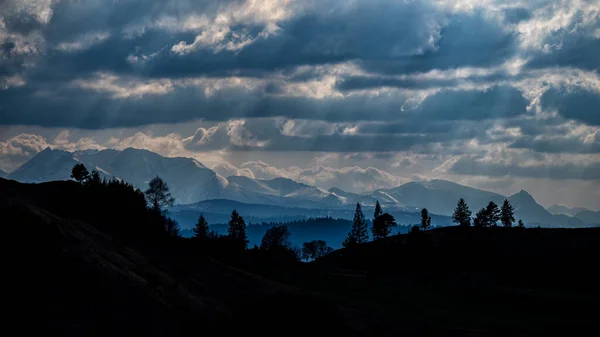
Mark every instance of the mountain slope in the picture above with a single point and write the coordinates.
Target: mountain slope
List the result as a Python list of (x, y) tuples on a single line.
[(87, 282), (188, 179), (527, 209), (438, 196), (589, 217), (564, 210), (47, 165), (3, 174), (287, 192)]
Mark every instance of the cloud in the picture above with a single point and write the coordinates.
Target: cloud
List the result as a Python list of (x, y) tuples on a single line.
[(227, 170), (351, 179), (17, 150), (468, 165), (575, 103)]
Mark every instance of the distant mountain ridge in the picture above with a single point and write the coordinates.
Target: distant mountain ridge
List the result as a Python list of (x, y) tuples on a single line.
[(589, 217), (565, 210), (193, 182), (190, 181), (3, 174)]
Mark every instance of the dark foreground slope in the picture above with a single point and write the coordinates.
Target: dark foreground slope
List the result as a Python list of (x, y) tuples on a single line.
[(76, 270)]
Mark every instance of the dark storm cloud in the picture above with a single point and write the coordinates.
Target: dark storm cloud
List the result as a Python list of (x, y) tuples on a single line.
[(557, 145), (468, 40), (495, 102), (366, 31), (75, 107), (469, 166), (575, 103), (576, 45), (577, 52)]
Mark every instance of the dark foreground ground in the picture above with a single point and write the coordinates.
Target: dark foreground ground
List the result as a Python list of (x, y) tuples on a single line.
[(68, 274)]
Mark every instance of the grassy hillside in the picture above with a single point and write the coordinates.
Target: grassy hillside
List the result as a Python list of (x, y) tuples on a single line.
[(77, 270)]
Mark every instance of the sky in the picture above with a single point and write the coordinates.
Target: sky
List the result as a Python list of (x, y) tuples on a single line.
[(362, 94)]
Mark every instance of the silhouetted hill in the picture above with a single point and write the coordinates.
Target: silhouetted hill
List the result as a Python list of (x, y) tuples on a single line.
[(589, 217), (532, 213), (564, 210), (87, 278), (75, 270)]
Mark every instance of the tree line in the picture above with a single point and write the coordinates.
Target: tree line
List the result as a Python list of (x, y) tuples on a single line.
[(384, 222), (158, 198)]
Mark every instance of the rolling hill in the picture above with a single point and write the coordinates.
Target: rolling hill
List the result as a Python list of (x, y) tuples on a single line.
[(88, 278)]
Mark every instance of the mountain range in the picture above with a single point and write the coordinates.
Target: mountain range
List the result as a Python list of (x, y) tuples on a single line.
[(562, 209), (192, 182)]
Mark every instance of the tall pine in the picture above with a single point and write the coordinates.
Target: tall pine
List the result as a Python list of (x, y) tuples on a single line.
[(507, 216), (378, 211), (480, 218), (359, 233), (462, 214), (425, 219), (201, 230), (492, 214), (237, 228)]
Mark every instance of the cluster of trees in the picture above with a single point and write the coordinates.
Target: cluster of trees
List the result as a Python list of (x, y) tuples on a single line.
[(383, 223), (487, 216), (276, 239), (81, 174)]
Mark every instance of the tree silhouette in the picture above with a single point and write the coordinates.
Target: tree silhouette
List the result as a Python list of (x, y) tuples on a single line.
[(521, 224), (237, 228), (315, 249), (480, 218), (172, 227), (158, 195), (94, 179), (425, 219), (462, 214), (378, 211), (382, 226), (507, 216), (359, 233), (276, 238), (80, 173), (201, 230), (492, 213)]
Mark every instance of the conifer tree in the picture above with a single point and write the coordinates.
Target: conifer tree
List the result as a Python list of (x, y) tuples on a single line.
[(359, 233), (378, 210), (425, 219), (237, 228), (480, 218), (507, 216), (462, 214), (492, 213), (201, 230)]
